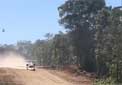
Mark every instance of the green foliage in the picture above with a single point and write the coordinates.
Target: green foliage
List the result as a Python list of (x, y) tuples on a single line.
[(103, 44), (78, 17), (24, 48), (75, 13), (54, 51), (107, 81), (109, 43)]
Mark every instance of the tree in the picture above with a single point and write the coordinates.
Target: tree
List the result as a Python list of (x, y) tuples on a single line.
[(78, 17), (49, 36), (108, 43), (62, 49), (116, 32), (42, 50), (25, 49), (103, 40)]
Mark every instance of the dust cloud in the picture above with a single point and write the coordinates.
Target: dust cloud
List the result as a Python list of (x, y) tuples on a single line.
[(12, 60)]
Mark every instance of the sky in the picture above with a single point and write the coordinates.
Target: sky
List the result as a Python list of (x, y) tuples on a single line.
[(31, 19)]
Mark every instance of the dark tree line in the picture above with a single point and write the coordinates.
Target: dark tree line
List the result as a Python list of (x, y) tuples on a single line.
[(55, 51), (78, 16), (96, 35)]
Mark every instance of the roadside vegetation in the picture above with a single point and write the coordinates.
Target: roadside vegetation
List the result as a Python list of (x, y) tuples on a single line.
[(92, 41)]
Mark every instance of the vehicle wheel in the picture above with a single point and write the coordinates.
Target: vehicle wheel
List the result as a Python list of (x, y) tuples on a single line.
[(34, 69), (26, 68)]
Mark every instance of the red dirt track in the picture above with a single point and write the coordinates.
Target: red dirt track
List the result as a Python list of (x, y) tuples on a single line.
[(39, 77)]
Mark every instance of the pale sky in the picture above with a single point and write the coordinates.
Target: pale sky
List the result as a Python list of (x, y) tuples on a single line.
[(31, 19)]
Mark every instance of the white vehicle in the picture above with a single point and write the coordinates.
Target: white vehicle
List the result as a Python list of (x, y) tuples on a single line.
[(30, 66)]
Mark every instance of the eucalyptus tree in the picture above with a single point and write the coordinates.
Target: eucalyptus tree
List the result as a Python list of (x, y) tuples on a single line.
[(77, 16)]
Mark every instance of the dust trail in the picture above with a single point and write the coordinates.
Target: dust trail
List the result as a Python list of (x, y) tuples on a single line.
[(12, 60)]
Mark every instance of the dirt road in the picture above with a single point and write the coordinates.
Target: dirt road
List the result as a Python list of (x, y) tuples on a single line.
[(24, 77)]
